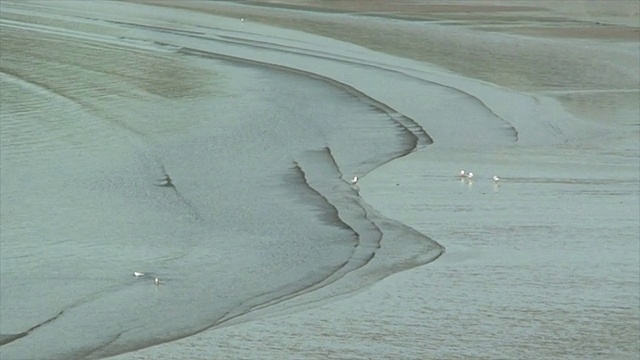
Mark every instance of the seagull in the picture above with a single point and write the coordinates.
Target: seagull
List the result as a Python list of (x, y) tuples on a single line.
[(462, 174), (496, 178), (354, 180), (156, 281), (138, 274), (470, 176), (167, 182)]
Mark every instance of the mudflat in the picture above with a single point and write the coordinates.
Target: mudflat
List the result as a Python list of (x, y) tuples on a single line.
[(261, 113)]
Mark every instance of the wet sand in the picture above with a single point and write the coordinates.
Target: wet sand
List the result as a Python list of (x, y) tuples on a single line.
[(480, 39), (542, 265)]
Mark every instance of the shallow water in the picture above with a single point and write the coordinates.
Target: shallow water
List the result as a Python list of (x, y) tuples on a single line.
[(260, 135)]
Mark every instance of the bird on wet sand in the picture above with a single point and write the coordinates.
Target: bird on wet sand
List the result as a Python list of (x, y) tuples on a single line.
[(465, 175), (166, 181)]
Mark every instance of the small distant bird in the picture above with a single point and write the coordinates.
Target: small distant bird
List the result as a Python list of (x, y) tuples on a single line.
[(470, 176), (167, 182), (138, 274), (242, 19), (496, 178), (462, 174), (156, 281), (354, 180)]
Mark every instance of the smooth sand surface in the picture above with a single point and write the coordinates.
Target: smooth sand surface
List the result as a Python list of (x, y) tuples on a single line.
[(543, 264)]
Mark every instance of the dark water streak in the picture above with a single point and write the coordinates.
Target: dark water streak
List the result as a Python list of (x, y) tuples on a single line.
[(7, 338)]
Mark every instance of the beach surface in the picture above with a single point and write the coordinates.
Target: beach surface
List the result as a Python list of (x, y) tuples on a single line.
[(212, 145)]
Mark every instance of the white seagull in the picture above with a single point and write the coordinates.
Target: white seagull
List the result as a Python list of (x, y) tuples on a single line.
[(470, 176), (496, 178), (138, 274), (354, 180), (462, 174), (156, 281)]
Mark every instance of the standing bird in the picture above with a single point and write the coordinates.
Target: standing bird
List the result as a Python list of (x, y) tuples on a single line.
[(496, 178), (166, 182), (470, 176), (156, 281), (462, 174), (354, 180)]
